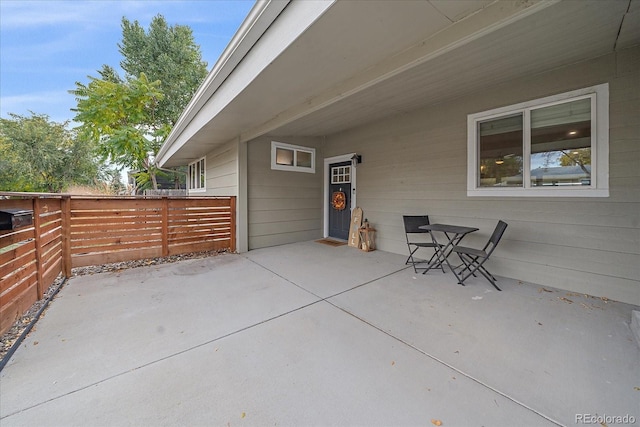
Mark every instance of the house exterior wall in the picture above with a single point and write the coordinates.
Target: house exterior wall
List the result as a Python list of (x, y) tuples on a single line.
[(283, 206), (221, 171), (416, 163)]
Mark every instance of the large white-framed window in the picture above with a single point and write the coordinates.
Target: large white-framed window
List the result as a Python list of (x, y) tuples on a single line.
[(556, 146), (197, 176), (287, 157)]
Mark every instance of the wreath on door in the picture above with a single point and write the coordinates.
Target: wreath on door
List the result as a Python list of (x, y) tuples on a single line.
[(339, 200)]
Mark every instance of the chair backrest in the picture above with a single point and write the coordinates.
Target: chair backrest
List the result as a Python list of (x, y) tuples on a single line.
[(412, 222), (496, 236)]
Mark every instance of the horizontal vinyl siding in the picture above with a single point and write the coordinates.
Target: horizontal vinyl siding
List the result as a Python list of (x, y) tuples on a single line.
[(415, 163), (284, 207), (221, 174)]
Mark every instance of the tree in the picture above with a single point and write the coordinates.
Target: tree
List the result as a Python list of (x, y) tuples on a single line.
[(118, 117), (131, 117), (579, 157), (164, 53), (37, 154)]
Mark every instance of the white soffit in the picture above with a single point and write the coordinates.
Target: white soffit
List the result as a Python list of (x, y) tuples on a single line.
[(310, 47), (353, 63)]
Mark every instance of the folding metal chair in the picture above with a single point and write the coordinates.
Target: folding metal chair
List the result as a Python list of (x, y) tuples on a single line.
[(417, 238), (473, 259)]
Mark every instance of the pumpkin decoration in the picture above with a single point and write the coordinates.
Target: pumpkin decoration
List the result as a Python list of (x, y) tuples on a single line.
[(338, 200)]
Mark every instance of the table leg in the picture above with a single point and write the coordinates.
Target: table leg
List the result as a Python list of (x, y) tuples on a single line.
[(436, 260)]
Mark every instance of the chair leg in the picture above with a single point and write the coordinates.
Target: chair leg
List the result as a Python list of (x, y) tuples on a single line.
[(431, 264), (468, 262), (411, 260), (474, 266), (440, 263)]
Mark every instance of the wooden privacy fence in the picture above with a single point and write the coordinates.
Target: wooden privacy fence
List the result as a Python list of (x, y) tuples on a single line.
[(75, 231)]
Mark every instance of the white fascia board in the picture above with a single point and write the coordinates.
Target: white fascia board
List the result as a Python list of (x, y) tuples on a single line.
[(266, 32)]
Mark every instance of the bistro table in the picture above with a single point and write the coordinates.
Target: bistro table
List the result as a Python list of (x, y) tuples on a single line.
[(453, 233)]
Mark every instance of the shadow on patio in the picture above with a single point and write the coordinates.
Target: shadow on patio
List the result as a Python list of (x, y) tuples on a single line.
[(308, 334)]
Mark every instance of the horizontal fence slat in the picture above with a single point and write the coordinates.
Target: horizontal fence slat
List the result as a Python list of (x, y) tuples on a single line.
[(209, 215), (116, 240), (11, 310), (16, 237), (52, 255), (15, 264), (17, 276), (197, 203), (204, 238), (199, 210), (17, 286), (49, 206), (90, 233), (119, 214), (100, 204), (51, 272), (17, 252), (111, 257), (51, 236), (50, 244), (51, 225), (113, 222), (198, 247), (192, 226), (119, 247), (23, 204), (181, 231)]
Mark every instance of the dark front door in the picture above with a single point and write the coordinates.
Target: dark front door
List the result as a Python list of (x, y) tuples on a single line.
[(340, 175)]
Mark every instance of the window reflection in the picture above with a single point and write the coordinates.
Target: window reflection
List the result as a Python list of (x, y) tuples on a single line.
[(284, 157), (303, 159), (501, 152), (561, 144)]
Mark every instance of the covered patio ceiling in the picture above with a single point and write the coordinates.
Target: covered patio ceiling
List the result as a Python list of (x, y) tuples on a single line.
[(358, 62)]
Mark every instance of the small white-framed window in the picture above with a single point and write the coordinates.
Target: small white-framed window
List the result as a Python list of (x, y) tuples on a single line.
[(556, 146), (197, 175), (341, 174), (287, 157)]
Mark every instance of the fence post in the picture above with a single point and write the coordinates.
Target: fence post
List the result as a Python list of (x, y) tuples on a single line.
[(66, 235), (38, 241), (232, 224), (165, 226)]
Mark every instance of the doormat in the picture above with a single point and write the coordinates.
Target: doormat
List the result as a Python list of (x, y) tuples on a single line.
[(331, 242)]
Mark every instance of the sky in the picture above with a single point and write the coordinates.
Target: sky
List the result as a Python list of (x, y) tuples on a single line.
[(46, 46)]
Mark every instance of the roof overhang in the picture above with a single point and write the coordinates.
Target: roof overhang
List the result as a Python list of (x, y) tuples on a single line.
[(317, 68)]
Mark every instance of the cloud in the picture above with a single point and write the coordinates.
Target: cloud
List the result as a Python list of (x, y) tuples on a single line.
[(29, 14), (25, 14), (59, 101), (46, 46)]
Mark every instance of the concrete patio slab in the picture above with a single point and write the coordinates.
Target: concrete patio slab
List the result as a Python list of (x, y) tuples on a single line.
[(325, 270), (317, 366), (308, 334), (106, 324), (559, 353)]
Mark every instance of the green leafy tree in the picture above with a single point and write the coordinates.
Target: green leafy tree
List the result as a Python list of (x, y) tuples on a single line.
[(37, 154), (118, 117), (168, 54), (130, 117), (579, 157)]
